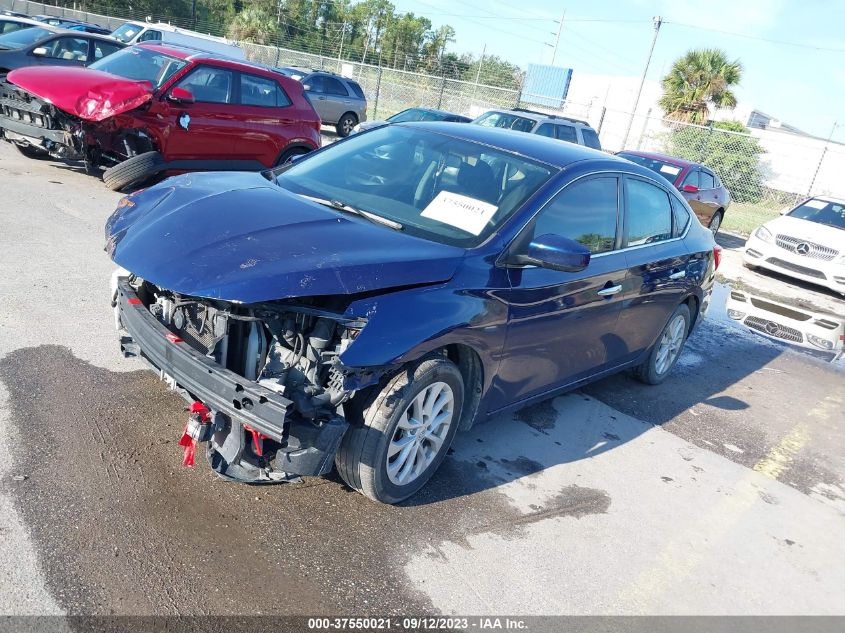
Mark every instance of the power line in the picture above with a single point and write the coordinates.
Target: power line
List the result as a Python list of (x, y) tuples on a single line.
[(760, 39)]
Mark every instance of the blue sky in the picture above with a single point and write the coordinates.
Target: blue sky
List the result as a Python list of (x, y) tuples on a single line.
[(801, 85)]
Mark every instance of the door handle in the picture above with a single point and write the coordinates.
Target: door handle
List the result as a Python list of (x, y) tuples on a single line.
[(678, 275), (609, 292)]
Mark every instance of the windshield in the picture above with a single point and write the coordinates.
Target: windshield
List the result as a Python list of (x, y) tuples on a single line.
[(141, 64), (667, 170), (437, 187), (126, 32), (821, 212), (415, 114), (505, 120), (23, 37)]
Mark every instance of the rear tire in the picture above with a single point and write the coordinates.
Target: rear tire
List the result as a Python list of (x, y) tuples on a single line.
[(33, 152), (288, 154), (133, 171), (399, 414), (345, 125), (667, 349), (716, 222)]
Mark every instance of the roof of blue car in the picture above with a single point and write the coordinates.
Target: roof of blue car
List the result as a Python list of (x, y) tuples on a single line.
[(541, 148)]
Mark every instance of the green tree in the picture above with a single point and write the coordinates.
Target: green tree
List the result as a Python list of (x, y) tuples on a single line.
[(729, 150), (253, 25), (696, 81), (494, 71)]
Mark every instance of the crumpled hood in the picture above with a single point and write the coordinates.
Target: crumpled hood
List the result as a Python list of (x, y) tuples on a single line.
[(88, 94), (238, 237), (806, 230)]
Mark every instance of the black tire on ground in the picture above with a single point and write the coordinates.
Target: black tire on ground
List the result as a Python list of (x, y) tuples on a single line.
[(132, 171), (31, 151), (345, 125), (648, 372), (716, 222), (362, 458), (290, 153)]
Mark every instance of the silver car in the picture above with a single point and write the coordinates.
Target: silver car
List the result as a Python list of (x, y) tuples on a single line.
[(338, 100)]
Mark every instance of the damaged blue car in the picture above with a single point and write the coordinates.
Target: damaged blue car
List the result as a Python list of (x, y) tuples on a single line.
[(359, 306)]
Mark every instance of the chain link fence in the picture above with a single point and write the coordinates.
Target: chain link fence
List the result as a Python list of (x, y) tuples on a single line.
[(764, 170)]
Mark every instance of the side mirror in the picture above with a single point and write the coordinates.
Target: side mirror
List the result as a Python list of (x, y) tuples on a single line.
[(555, 253), (180, 95), (690, 189), (40, 51), (306, 87)]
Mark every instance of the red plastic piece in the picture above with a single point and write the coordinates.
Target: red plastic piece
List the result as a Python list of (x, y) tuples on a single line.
[(133, 301), (189, 444), (257, 440), (170, 336)]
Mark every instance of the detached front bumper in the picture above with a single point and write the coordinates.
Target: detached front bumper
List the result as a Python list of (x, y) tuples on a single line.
[(829, 274), (308, 447)]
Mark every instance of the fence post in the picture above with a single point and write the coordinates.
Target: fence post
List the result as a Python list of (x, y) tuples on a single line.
[(278, 55), (442, 88), (816, 173), (601, 119), (378, 91), (642, 132), (706, 143)]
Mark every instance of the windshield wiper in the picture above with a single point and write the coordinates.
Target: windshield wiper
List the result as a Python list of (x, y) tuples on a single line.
[(341, 206)]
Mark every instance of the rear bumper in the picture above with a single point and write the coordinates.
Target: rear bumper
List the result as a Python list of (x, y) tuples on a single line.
[(309, 447)]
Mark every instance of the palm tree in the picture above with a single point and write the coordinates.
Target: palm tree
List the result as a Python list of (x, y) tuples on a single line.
[(697, 80), (253, 25)]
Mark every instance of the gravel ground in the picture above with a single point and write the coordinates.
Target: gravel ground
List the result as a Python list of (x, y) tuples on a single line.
[(720, 491)]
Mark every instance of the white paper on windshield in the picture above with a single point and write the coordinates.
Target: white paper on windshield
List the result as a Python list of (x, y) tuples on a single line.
[(668, 169), (815, 204), (463, 212)]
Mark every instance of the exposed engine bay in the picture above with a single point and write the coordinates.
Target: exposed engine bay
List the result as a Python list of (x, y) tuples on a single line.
[(290, 349)]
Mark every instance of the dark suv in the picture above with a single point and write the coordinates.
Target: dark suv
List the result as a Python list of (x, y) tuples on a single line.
[(338, 100), (155, 108)]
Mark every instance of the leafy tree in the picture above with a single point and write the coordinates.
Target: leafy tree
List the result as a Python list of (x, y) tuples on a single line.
[(696, 81), (728, 149), (495, 71), (253, 25)]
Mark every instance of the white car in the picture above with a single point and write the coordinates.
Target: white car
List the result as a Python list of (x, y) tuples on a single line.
[(806, 243)]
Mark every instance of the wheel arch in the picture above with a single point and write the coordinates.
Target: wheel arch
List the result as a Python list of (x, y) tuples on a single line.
[(469, 364), (694, 304)]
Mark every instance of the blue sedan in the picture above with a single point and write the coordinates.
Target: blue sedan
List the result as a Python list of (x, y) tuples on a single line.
[(361, 305)]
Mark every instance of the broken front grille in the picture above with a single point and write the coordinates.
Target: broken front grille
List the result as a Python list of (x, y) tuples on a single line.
[(25, 112), (774, 329), (803, 247)]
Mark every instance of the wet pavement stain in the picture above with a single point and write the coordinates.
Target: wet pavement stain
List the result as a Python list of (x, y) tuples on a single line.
[(121, 527), (540, 417)]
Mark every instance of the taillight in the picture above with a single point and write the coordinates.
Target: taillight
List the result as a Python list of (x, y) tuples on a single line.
[(717, 256)]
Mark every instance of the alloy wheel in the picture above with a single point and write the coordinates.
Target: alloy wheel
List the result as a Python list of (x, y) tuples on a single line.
[(420, 433), (670, 344)]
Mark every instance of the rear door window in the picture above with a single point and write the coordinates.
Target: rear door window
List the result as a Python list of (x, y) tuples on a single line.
[(101, 49), (707, 181), (586, 211), (680, 219), (262, 91), (332, 86), (649, 213), (150, 36), (546, 129), (567, 133)]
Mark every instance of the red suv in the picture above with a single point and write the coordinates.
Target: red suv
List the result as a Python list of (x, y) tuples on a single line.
[(154, 108), (699, 185)]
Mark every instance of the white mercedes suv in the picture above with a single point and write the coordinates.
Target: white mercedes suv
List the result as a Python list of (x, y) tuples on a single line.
[(806, 243)]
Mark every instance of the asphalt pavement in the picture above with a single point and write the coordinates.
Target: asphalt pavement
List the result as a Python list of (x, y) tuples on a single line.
[(719, 492)]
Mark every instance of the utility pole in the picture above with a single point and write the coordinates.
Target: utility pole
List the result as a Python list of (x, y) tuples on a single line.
[(480, 64), (557, 37), (340, 52), (657, 22), (821, 158)]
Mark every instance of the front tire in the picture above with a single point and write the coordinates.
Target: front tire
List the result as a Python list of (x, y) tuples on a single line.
[(133, 171), (345, 125), (403, 432), (668, 348), (288, 155)]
